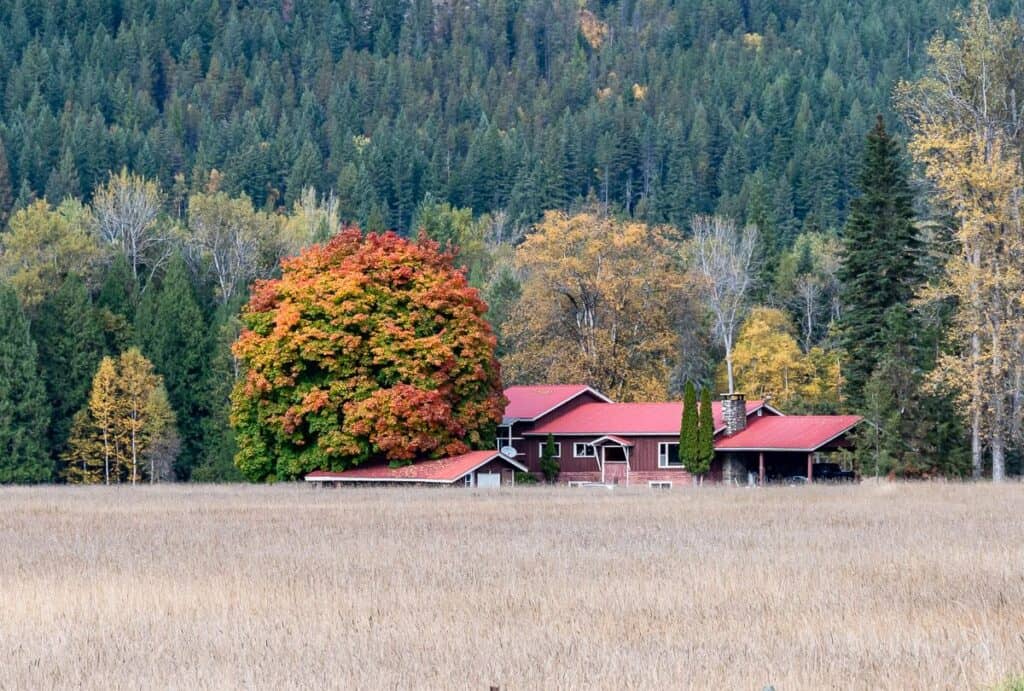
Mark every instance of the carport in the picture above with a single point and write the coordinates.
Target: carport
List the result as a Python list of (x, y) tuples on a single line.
[(778, 446)]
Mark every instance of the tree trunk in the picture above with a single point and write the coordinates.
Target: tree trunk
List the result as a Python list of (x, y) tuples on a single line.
[(998, 418), (976, 406), (976, 445), (106, 458)]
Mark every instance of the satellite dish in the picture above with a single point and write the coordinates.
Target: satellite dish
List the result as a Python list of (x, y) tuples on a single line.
[(509, 451)]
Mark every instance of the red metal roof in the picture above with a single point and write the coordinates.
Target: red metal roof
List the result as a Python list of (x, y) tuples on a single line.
[(530, 402), (788, 433), (443, 470), (627, 418)]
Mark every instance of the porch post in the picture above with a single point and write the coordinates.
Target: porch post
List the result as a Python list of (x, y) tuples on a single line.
[(760, 467), (810, 467)]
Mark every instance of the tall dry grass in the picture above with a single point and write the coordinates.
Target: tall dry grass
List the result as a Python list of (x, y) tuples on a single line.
[(901, 587)]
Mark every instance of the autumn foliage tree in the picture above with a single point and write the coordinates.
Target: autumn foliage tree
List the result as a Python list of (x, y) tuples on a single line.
[(126, 432), (768, 363), (969, 136), (368, 348), (601, 302)]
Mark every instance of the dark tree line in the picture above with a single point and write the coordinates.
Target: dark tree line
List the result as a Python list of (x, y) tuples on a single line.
[(659, 110)]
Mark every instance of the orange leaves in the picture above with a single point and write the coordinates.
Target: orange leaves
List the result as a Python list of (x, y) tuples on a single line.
[(366, 348)]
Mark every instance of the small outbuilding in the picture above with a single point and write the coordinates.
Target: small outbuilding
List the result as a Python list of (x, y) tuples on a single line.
[(474, 469)]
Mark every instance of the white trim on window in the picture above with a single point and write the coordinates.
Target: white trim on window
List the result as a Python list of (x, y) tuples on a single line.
[(667, 459), (468, 480), (541, 445), (660, 484), (578, 483), (581, 450)]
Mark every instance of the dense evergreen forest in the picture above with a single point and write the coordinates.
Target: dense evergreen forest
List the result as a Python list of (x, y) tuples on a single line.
[(158, 156), (659, 109)]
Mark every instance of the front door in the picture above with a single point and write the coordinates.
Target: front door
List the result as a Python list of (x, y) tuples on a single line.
[(616, 464), (614, 472)]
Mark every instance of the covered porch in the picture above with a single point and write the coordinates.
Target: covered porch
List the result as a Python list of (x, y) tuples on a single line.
[(613, 455), (782, 449)]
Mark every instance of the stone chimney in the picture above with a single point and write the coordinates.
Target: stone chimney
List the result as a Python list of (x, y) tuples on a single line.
[(734, 412)]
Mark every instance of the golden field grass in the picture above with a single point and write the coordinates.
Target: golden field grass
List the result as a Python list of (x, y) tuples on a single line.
[(869, 587)]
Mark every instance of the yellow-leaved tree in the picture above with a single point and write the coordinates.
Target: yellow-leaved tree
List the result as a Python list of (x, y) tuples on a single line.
[(602, 302), (769, 364), (968, 134), (126, 432)]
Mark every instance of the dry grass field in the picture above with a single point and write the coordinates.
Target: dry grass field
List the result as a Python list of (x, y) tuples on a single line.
[(871, 587)]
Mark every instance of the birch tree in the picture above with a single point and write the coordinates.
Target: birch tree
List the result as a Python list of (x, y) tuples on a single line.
[(724, 260), (231, 240), (126, 211), (968, 130)]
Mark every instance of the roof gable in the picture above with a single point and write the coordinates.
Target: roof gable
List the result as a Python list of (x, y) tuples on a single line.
[(528, 403)]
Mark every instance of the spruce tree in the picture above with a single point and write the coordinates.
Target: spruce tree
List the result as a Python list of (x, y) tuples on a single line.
[(217, 463), (688, 434), (6, 188), (23, 411), (705, 435), (880, 267), (171, 331), (71, 344), (116, 302)]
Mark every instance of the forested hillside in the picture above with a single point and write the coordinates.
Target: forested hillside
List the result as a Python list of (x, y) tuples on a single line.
[(658, 108), (159, 158)]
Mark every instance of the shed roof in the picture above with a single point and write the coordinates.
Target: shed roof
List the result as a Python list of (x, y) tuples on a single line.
[(788, 433), (629, 419), (532, 402), (442, 470)]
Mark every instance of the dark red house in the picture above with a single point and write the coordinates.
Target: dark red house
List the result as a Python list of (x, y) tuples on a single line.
[(597, 440)]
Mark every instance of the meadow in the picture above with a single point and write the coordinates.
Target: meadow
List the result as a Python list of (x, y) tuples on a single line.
[(866, 587)]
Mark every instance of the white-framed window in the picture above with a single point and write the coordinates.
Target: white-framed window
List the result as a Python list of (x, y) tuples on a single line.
[(668, 455), (659, 484), (580, 450), (468, 480), (577, 483), (558, 449)]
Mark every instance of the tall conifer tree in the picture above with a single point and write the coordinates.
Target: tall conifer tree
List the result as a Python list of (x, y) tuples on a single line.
[(705, 435), (23, 411), (171, 331), (70, 339), (688, 433), (880, 260)]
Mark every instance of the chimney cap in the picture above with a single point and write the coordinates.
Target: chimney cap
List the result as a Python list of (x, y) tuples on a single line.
[(733, 396)]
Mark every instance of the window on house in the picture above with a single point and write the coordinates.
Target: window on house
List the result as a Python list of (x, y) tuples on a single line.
[(668, 455), (468, 479), (584, 451), (558, 449), (653, 484)]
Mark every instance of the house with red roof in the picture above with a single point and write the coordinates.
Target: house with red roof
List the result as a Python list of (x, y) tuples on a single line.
[(598, 440)]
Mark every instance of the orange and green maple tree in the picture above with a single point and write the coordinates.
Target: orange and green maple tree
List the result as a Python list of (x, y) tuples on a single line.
[(367, 348)]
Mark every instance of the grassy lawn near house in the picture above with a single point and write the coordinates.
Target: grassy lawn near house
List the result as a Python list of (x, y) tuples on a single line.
[(881, 587)]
